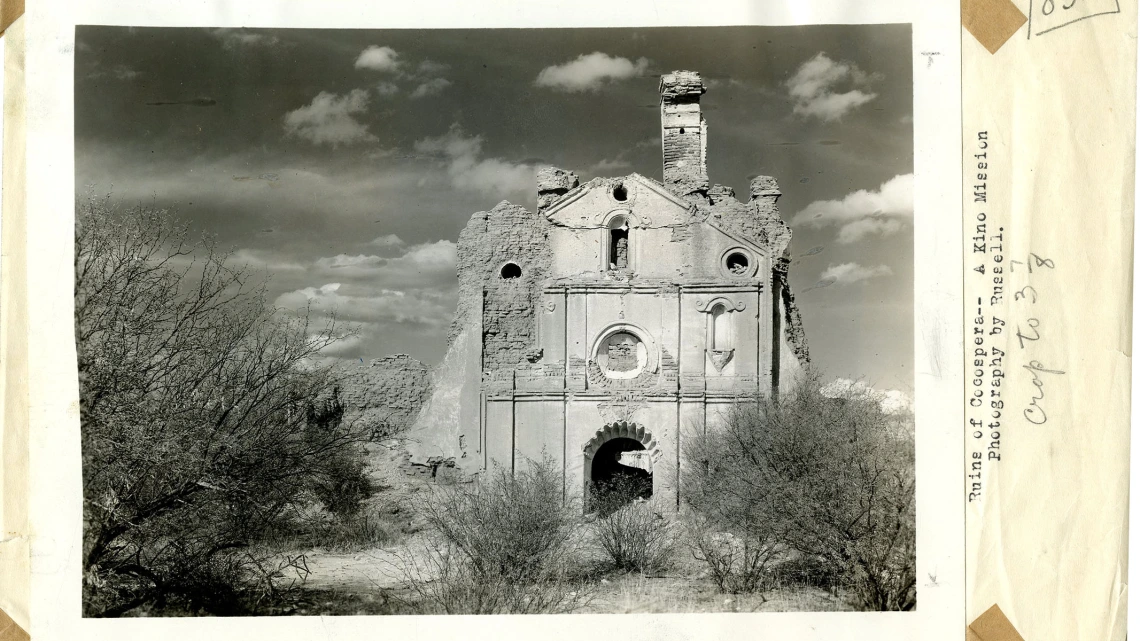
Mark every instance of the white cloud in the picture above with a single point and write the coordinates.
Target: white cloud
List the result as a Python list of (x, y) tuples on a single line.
[(261, 259), (589, 71), (813, 92), (374, 294), (847, 273), (859, 229), (346, 346), (378, 58), (833, 106), (323, 290), (328, 119), (234, 39), (344, 260), (388, 241), (422, 265), (426, 75), (864, 212), (430, 68), (375, 308), (467, 168), (430, 88), (438, 256), (453, 144), (119, 72), (123, 72), (891, 401)]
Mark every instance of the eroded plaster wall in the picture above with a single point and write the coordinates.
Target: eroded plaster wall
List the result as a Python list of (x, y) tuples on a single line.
[(494, 330), (507, 235)]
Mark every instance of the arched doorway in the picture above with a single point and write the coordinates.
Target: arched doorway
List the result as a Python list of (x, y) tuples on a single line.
[(614, 481), (619, 466)]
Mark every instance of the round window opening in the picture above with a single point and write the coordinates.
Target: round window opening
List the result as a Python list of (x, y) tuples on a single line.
[(510, 270), (737, 264), (622, 355), (620, 193), (682, 130)]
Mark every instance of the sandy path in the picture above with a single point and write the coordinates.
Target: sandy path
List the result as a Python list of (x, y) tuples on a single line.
[(362, 571), (353, 572)]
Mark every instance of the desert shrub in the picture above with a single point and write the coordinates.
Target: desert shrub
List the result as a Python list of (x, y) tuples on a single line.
[(367, 529), (512, 525), (340, 481), (444, 581), (737, 562), (827, 476), (633, 534), (361, 531), (807, 571), (225, 583), (508, 544), (731, 526), (205, 416)]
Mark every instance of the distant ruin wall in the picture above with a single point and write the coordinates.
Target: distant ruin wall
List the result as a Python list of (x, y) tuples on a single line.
[(386, 393)]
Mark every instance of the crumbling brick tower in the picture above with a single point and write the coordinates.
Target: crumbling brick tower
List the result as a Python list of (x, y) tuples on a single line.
[(683, 134), (621, 312)]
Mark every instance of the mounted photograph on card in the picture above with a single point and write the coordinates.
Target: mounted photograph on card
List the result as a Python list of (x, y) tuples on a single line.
[(496, 321)]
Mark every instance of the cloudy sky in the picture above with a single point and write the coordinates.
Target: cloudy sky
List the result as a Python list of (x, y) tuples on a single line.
[(345, 163)]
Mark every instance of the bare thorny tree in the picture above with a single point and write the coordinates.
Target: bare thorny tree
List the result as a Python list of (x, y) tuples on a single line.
[(207, 415), (830, 479)]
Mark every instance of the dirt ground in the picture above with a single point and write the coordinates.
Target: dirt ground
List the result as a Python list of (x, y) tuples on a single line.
[(369, 582)]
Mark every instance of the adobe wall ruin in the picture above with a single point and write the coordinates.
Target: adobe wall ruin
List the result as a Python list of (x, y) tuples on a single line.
[(387, 393), (505, 267)]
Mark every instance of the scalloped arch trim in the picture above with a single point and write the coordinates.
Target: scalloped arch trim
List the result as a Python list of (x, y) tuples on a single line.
[(621, 429)]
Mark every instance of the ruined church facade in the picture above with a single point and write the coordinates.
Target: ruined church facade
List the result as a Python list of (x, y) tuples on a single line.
[(622, 313)]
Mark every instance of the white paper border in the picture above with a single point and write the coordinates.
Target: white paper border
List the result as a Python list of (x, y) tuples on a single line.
[(56, 510)]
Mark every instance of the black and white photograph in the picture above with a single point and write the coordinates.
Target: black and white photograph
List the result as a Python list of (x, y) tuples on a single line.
[(496, 321)]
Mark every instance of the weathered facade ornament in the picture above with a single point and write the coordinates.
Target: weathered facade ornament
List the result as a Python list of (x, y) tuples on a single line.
[(720, 357)]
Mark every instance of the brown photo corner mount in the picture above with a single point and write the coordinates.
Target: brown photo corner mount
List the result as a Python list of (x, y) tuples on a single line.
[(992, 22), (9, 11), (992, 625), (9, 630)]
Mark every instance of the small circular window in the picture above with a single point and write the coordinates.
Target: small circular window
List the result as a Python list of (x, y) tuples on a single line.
[(738, 264), (620, 194), (510, 270)]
